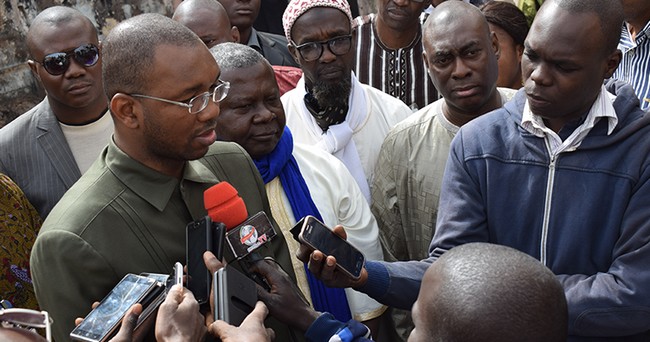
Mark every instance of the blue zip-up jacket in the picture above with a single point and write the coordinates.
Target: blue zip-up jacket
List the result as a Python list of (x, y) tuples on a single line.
[(585, 214)]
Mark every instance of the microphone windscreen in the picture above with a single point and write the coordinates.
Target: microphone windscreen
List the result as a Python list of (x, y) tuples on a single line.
[(224, 204)]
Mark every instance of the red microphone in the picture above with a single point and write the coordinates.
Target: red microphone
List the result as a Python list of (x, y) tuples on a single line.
[(224, 205), (243, 234)]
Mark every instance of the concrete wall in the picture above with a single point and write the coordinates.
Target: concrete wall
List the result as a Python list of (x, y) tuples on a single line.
[(19, 90)]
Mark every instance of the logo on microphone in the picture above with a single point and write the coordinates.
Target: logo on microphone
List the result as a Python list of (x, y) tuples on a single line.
[(248, 235)]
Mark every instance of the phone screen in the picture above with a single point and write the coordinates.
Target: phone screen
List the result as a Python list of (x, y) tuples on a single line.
[(198, 241), (102, 321), (348, 258)]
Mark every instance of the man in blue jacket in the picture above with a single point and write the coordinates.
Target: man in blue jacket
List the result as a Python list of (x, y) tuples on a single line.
[(562, 173)]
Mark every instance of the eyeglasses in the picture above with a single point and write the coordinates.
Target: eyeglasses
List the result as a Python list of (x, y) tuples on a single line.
[(27, 319), (58, 63), (312, 51), (198, 102)]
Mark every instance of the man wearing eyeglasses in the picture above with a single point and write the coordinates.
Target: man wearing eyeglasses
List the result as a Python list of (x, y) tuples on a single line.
[(128, 213), (49, 147), (329, 107)]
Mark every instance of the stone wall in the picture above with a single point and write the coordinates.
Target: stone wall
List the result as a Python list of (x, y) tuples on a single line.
[(19, 90)]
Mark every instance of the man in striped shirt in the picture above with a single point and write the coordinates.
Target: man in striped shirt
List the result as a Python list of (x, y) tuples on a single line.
[(635, 45), (389, 52)]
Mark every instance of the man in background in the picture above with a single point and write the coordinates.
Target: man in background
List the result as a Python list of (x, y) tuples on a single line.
[(48, 148)]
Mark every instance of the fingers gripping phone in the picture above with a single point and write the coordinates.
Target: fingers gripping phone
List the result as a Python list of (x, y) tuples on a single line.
[(315, 234), (103, 321)]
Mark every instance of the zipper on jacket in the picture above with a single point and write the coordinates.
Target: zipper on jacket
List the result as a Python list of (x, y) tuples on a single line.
[(547, 202)]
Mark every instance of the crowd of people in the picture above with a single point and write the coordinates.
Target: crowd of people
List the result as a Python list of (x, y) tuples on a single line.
[(492, 168)]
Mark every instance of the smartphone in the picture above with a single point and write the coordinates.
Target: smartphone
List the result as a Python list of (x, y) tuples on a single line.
[(103, 321), (198, 240), (178, 274), (219, 233), (315, 234), (235, 295)]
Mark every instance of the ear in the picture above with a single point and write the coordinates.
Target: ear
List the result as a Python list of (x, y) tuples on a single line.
[(294, 52), (520, 52), (34, 68), (126, 110), (612, 63), (234, 32), (495, 44)]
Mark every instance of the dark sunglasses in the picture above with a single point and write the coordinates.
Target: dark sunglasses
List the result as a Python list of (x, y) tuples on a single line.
[(58, 63)]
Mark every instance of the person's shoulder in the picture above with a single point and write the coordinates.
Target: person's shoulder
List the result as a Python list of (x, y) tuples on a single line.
[(224, 148), (23, 123), (271, 39), (423, 116), (507, 93), (384, 100), (363, 20)]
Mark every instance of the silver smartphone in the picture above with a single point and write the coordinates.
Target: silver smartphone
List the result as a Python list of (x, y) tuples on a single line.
[(104, 320), (235, 295)]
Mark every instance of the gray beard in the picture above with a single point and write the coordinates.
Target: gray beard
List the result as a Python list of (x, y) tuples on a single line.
[(332, 94)]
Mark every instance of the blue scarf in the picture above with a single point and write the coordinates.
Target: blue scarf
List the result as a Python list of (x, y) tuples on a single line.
[(281, 162)]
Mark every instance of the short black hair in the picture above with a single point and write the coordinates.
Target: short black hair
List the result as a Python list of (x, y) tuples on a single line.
[(128, 51), (610, 16)]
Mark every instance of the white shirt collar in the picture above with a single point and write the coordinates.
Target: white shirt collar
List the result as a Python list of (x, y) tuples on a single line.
[(602, 108)]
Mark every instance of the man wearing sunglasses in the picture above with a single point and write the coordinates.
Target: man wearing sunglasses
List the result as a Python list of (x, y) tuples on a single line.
[(48, 148), (329, 107), (128, 213)]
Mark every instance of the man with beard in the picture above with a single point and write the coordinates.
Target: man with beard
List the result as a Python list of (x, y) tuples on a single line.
[(389, 52), (329, 107), (560, 172), (461, 55), (47, 149), (128, 213), (300, 180)]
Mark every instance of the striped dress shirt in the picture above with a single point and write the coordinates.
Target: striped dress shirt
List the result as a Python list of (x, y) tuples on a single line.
[(400, 73), (635, 65)]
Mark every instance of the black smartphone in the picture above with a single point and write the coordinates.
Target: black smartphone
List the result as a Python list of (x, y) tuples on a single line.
[(235, 295), (315, 234), (219, 233), (104, 320), (198, 240)]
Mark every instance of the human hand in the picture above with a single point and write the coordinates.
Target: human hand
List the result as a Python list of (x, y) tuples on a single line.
[(324, 266), (130, 320), (213, 265), (284, 300), (251, 329), (178, 317)]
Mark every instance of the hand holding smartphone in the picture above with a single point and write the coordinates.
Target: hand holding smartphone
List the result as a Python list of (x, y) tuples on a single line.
[(315, 234), (103, 321)]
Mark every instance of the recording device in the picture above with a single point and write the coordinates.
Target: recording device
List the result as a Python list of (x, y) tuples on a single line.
[(243, 235), (198, 240), (103, 322), (317, 235), (235, 295)]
